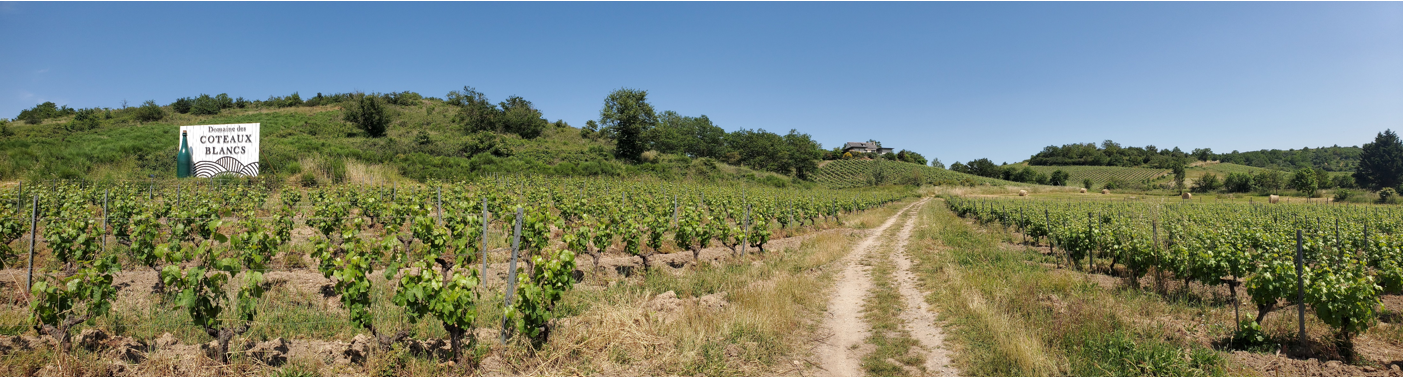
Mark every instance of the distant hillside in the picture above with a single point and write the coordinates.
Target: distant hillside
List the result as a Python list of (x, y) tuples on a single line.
[(1332, 159), (840, 174), (1100, 175), (1110, 153)]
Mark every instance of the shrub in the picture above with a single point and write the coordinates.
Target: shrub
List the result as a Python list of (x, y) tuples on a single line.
[(308, 180), (240, 102), (86, 119), (483, 142), (43, 111), (182, 105), (1388, 195), (205, 105), (150, 112), (368, 114), (1207, 183), (224, 101), (1086, 183), (1343, 195), (405, 98)]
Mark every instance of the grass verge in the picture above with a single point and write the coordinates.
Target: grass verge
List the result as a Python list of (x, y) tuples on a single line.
[(1010, 315)]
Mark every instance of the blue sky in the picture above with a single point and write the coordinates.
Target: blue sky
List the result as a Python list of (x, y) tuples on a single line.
[(956, 81)]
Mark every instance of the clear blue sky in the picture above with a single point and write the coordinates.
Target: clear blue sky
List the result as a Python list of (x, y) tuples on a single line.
[(955, 81)]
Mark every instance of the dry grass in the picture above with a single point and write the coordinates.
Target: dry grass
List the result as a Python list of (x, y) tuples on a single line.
[(608, 327)]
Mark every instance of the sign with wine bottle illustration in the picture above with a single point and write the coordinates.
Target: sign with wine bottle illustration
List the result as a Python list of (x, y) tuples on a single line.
[(218, 150)]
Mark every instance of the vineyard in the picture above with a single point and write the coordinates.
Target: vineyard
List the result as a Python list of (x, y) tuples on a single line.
[(403, 262), (841, 174), (1337, 260)]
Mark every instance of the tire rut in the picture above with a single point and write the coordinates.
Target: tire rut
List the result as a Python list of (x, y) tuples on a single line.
[(840, 353), (918, 316)]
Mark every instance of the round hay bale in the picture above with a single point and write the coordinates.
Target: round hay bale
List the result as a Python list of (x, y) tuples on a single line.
[(1273, 199), (1022, 192), (1083, 190), (1105, 191), (1187, 196)]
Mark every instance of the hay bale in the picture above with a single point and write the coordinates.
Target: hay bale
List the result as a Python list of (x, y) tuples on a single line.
[(1187, 196), (1273, 199), (1022, 192), (1083, 190), (1105, 191)]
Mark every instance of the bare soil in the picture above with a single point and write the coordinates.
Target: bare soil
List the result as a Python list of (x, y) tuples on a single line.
[(918, 315), (843, 330)]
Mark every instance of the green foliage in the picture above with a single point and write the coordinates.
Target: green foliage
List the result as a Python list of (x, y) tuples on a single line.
[(150, 112), (483, 142), (46, 110), (86, 119), (1304, 181), (205, 105), (1058, 178), (182, 105), (626, 116), (1381, 162), (1388, 195), (368, 114), (405, 98), (1343, 195), (1269, 181), (448, 292), (519, 116), (540, 291), (348, 260), (1207, 183)]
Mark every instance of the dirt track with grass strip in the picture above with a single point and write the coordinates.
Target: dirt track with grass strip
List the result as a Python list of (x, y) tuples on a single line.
[(848, 326)]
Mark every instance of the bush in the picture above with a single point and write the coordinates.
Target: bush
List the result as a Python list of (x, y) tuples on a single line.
[(1388, 195), (182, 105), (483, 142), (308, 180), (86, 119), (150, 112), (224, 101), (1343, 195), (43, 111), (1207, 183), (368, 114), (205, 105), (405, 98)]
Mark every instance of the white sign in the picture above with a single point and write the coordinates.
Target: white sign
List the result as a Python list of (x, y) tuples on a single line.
[(223, 149)]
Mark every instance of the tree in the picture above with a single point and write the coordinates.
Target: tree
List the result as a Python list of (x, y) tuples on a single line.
[(150, 112), (368, 114), (1268, 181), (1304, 181), (1238, 182), (205, 105), (1179, 175), (1207, 183), (1059, 178), (475, 112), (182, 105), (589, 129), (628, 115), (518, 116), (1381, 162), (935, 163)]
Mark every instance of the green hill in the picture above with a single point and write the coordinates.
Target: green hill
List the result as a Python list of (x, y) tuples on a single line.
[(310, 141), (840, 174)]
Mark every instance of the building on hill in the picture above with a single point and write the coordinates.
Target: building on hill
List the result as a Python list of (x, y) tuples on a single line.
[(865, 147)]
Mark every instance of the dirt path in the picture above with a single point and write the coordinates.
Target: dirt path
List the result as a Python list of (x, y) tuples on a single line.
[(840, 354), (918, 316)]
